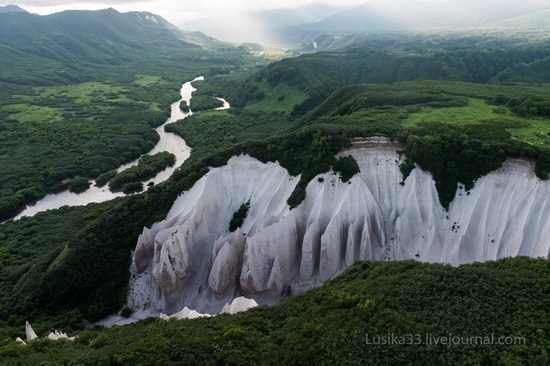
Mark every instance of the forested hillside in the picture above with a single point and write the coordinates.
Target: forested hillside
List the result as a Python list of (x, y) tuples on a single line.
[(402, 313), (473, 59)]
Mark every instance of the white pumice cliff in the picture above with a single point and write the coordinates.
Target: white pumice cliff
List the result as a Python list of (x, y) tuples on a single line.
[(192, 260)]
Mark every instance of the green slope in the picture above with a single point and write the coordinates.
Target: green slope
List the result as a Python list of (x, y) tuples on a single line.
[(375, 313), (389, 60), (73, 44)]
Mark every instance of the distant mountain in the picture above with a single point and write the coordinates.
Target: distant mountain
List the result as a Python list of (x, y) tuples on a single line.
[(350, 26), (12, 9), (74, 31), (428, 15), (70, 39), (533, 20), (268, 26), (294, 27)]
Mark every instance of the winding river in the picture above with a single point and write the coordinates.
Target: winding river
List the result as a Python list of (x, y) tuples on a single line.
[(168, 142)]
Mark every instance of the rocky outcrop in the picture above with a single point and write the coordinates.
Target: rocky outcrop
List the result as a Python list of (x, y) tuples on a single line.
[(30, 334), (238, 305), (185, 313), (191, 259), (55, 335)]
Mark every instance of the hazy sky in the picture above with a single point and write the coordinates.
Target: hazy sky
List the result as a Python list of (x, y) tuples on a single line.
[(175, 11)]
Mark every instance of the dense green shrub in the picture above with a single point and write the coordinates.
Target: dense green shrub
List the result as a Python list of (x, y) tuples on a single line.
[(104, 178), (183, 106), (132, 187), (148, 166), (9, 207), (126, 312), (203, 102), (530, 105), (347, 167), (453, 158), (239, 216), (79, 184)]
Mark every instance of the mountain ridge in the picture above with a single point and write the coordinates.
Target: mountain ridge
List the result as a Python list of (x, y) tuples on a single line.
[(12, 9), (292, 27), (73, 41), (423, 16)]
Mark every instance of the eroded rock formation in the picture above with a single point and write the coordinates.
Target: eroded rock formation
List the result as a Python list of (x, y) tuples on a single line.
[(31, 335), (191, 259), (29, 332)]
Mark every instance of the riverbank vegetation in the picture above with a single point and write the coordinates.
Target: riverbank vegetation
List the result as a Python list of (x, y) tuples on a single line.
[(183, 106), (39, 155), (79, 184), (203, 103), (148, 166), (104, 178), (63, 266)]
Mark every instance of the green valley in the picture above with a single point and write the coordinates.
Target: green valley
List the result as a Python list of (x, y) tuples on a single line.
[(97, 114), (87, 101)]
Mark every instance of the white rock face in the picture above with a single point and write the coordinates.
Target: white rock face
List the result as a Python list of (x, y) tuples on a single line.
[(239, 304), (185, 313), (29, 332), (31, 335), (59, 335), (191, 259)]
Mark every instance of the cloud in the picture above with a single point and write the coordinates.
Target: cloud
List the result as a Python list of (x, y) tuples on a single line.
[(179, 12), (69, 3), (202, 6)]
